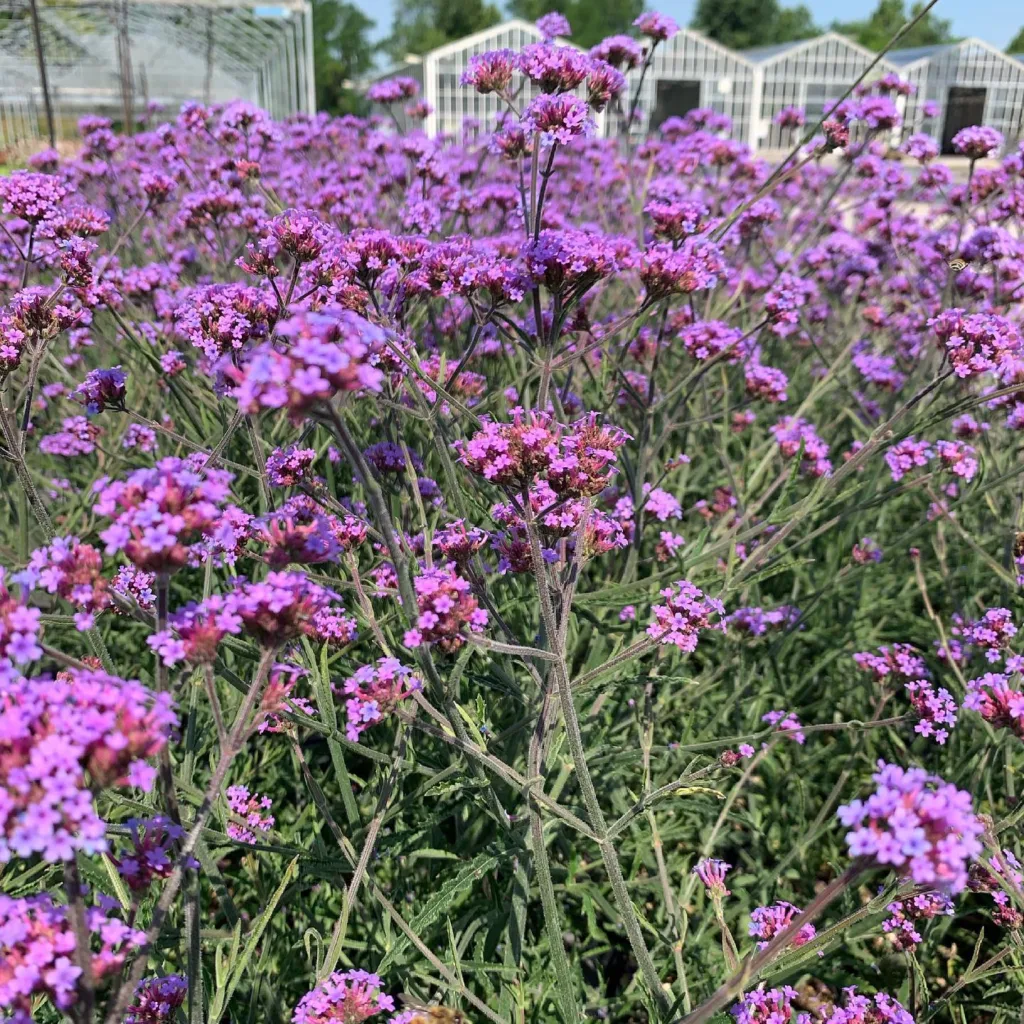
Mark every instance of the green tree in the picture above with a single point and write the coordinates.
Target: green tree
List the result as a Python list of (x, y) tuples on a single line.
[(744, 23), (342, 52), (422, 25), (888, 18), (591, 21), (1016, 44)]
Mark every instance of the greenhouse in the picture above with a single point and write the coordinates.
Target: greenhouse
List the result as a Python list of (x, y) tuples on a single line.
[(61, 60), (809, 75), (454, 107), (962, 84), (690, 71)]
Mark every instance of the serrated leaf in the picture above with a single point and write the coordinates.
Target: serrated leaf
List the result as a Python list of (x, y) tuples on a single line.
[(441, 901)]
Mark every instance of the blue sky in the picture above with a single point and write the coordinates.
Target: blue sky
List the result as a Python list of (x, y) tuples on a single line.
[(995, 21)]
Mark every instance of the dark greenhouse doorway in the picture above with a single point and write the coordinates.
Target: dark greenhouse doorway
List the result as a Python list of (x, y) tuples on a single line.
[(965, 106), (674, 99)]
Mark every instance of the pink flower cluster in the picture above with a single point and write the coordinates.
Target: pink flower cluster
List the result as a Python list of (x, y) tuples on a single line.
[(60, 739), (917, 823), (37, 952), (251, 807), (794, 434), (687, 611), (445, 607), (73, 571), (287, 539), (767, 922), (880, 1008), (317, 356), (159, 513), (281, 607), (1002, 706), (991, 633), (901, 925), (375, 690), (346, 997), (333, 627), (78, 437), (906, 455), (771, 1006), (195, 631), (574, 461), (976, 342), (900, 661), (935, 709), (289, 466), (978, 141)]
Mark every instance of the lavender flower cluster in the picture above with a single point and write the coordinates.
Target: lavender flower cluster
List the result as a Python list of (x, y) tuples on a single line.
[(367, 451)]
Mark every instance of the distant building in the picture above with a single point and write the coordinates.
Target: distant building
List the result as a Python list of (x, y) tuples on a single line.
[(963, 83), (969, 83), (439, 71), (691, 71), (809, 74), (117, 59)]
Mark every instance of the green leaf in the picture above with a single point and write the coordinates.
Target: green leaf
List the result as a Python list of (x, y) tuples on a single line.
[(441, 901), (228, 979)]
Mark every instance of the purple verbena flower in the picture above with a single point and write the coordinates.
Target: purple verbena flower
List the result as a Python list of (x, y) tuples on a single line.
[(918, 824)]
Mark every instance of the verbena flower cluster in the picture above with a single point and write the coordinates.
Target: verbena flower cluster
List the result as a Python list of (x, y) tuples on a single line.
[(917, 823), (61, 740), (389, 516)]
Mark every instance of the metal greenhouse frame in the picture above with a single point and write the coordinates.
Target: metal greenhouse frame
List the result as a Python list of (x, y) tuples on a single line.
[(808, 74), (691, 71), (970, 82), (65, 58)]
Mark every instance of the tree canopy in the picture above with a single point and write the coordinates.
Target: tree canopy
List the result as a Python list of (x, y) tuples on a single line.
[(744, 23), (342, 52), (422, 25), (590, 21), (888, 18), (1016, 44)]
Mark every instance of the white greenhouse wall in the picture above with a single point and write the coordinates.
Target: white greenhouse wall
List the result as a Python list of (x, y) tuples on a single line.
[(809, 75), (454, 103), (749, 87), (724, 80), (971, 63)]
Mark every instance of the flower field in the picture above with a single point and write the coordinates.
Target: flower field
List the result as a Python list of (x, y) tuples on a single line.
[(538, 577)]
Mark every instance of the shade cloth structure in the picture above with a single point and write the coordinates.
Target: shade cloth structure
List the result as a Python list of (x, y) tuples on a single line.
[(122, 58)]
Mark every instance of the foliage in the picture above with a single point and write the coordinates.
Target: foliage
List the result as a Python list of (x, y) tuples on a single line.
[(422, 25), (888, 18), (746, 23), (342, 53), (590, 22), (560, 577), (1016, 44)]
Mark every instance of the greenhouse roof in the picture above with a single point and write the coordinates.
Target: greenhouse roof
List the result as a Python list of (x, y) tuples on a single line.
[(768, 54), (915, 53), (759, 54)]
